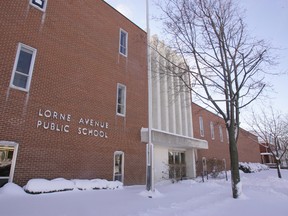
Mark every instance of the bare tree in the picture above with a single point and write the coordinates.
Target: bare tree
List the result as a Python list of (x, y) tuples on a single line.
[(223, 63), (272, 129)]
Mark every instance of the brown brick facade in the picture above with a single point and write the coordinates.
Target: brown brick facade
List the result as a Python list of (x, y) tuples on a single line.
[(248, 147), (76, 72)]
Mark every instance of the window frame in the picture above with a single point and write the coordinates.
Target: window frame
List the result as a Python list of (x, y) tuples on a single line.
[(39, 8), (212, 130), (122, 165), (201, 126), (126, 42), (14, 158), (33, 51), (121, 86)]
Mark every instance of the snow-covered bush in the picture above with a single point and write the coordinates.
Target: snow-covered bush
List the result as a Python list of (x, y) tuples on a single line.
[(37, 186), (96, 184), (215, 167), (252, 167)]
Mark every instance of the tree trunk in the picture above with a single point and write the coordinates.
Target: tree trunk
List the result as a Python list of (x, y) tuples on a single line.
[(278, 168), (235, 176)]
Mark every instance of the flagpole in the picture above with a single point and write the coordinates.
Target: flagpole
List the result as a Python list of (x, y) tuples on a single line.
[(149, 147)]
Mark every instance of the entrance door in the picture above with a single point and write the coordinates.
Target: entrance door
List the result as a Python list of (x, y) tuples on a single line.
[(177, 165), (118, 166), (8, 152)]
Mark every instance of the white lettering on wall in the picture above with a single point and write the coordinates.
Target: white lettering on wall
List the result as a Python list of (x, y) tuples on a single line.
[(91, 132), (59, 122), (52, 126), (54, 115), (93, 123)]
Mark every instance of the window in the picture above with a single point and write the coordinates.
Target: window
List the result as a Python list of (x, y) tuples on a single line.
[(201, 126), (23, 67), (121, 100), (118, 174), (123, 42), (271, 139), (39, 4), (220, 133), (212, 130), (8, 154)]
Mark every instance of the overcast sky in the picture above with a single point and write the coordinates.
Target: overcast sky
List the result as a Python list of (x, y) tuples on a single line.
[(266, 19)]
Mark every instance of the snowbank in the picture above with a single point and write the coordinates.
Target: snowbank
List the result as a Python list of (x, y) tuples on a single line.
[(263, 194), (252, 167), (96, 184), (151, 194), (11, 189), (37, 186)]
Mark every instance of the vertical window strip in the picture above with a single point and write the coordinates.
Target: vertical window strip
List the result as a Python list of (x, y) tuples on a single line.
[(23, 67), (123, 42), (121, 100), (118, 173), (212, 130), (201, 126), (220, 133)]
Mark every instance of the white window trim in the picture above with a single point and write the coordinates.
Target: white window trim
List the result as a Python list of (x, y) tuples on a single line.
[(13, 164), (201, 125), (212, 130), (121, 86), (122, 165), (41, 9), (34, 51), (126, 54)]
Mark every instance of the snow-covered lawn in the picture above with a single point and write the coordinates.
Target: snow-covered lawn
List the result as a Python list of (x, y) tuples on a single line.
[(263, 194)]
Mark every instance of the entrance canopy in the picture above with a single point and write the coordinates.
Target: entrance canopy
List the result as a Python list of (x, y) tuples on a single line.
[(171, 140)]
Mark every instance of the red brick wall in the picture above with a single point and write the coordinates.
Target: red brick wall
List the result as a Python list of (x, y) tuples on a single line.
[(248, 147), (76, 72)]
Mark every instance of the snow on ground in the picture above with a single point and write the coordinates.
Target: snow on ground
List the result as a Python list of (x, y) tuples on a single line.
[(263, 194)]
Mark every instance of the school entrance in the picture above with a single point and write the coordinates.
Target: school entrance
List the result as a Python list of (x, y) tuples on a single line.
[(177, 165)]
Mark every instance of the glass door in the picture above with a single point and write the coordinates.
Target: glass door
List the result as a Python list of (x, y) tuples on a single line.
[(177, 165)]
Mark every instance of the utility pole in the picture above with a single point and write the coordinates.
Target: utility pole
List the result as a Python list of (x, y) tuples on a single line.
[(149, 146)]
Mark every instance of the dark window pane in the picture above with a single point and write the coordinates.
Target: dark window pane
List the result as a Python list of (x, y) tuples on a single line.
[(10, 154), (123, 41), (171, 160), (24, 62), (120, 109), (118, 178), (5, 170), (3, 182), (177, 158), (39, 3), (5, 162), (20, 80), (120, 93), (182, 158), (123, 50)]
